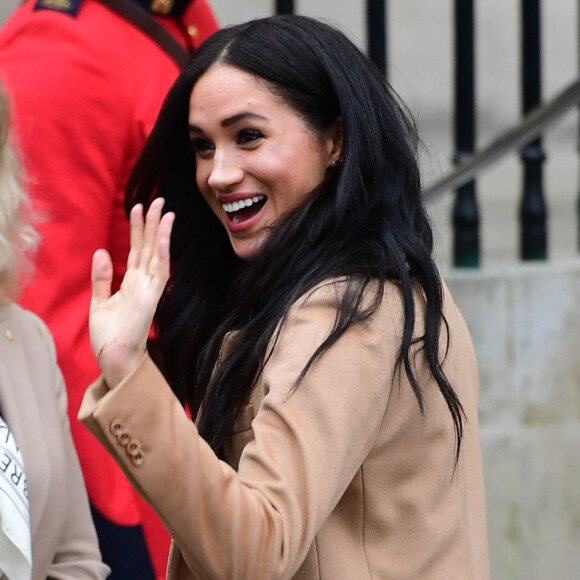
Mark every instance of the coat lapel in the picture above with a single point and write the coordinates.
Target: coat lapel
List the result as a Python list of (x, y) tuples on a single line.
[(20, 410)]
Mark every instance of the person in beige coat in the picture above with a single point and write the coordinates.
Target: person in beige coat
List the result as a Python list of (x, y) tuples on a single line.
[(300, 321), (46, 529)]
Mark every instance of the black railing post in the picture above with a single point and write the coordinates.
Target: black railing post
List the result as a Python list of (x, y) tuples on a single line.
[(376, 35), (284, 6), (533, 238), (578, 143), (465, 210)]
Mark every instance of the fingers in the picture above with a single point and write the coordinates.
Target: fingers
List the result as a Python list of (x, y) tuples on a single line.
[(160, 261), (152, 220), (136, 224), (101, 277), (150, 238)]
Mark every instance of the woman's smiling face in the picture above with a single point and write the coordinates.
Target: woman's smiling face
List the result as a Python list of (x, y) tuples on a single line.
[(256, 158)]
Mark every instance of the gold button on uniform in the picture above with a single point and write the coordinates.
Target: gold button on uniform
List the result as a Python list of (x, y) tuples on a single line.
[(192, 30), (162, 6)]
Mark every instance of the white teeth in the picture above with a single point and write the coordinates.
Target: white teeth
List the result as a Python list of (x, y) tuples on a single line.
[(237, 205)]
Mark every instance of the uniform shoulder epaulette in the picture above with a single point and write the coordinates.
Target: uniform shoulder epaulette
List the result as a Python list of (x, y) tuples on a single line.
[(70, 7), (135, 12)]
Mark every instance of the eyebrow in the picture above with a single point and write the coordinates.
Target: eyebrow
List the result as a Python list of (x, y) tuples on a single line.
[(228, 121)]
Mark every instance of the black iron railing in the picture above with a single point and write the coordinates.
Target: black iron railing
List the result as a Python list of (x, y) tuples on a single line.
[(376, 15), (284, 6), (465, 210), (533, 242), (525, 137)]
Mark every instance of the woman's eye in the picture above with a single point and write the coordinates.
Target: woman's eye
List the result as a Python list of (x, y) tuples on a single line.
[(249, 136), (202, 145)]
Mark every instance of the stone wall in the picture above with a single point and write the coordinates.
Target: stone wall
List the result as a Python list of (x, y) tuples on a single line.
[(525, 324)]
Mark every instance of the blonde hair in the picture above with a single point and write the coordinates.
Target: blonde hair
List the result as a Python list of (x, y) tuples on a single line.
[(17, 236)]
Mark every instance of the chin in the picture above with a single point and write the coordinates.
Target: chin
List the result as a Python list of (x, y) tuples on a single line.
[(247, 249)]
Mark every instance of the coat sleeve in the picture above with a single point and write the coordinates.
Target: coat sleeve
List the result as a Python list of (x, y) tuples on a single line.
[(77, 556), (260, 521)]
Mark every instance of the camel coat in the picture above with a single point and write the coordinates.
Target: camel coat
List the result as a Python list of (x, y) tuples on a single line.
[(342, 479), (33, 403)]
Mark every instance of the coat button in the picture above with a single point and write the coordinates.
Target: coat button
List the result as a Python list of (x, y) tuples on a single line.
[(134, 447), (192, 30), (137, 459), (123, 437), (121, 434)]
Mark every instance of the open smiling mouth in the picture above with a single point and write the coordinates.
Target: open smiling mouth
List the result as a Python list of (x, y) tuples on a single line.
[(244, 209)]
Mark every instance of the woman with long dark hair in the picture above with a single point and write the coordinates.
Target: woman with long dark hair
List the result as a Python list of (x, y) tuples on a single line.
[(300, 320)]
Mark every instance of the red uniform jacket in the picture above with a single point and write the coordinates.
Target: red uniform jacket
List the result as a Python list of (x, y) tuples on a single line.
[(86, 90)]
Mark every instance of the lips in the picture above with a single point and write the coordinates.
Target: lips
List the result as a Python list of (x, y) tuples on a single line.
[(243, 212)]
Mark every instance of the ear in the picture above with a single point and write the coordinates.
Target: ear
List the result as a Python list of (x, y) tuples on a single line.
[(334, 142)]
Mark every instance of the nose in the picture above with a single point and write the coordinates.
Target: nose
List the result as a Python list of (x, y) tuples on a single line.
[(225, 171)]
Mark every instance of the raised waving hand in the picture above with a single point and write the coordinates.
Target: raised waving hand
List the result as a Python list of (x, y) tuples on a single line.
[(119, 324)]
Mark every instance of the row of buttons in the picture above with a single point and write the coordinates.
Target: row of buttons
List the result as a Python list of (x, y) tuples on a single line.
[(132, 446)]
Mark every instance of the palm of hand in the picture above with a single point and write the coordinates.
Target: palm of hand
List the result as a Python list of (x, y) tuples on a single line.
[(119, 324)]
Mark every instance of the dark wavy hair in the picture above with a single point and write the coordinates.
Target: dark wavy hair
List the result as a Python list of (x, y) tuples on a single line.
[(365, 222)]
